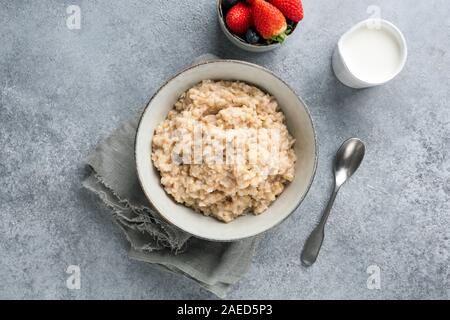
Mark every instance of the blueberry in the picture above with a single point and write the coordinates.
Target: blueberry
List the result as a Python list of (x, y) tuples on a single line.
[(252, 36), (227, 4)]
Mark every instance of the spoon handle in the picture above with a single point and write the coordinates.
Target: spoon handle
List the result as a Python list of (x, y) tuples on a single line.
[(315, 239)]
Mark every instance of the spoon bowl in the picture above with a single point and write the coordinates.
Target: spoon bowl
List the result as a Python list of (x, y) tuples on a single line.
[(348, 158)]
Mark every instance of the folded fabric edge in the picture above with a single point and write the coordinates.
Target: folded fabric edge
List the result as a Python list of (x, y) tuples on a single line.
[(218, 288), (90, 184)]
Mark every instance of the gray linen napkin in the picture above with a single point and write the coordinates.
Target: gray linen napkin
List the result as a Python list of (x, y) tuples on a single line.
[(213, 265)]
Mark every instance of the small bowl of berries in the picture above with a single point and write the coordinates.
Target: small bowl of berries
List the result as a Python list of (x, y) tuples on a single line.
[(259, 25)]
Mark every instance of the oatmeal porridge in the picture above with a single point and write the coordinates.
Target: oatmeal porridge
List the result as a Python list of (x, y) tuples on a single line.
[(224, 150)]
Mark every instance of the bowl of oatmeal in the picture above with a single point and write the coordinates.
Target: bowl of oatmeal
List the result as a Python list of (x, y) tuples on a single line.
[(225, 150)]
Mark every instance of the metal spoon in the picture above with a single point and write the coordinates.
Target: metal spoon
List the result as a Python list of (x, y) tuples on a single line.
[(348, 158)]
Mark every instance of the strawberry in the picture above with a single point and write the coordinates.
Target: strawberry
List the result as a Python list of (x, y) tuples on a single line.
[(292, 9), (239, 18), (269, 21)]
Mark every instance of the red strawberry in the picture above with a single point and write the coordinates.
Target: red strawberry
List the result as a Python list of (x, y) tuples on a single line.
[(292, 9), (239, 18), (269, 21)]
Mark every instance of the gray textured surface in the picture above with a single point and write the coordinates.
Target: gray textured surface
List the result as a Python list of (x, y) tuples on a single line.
[(62, 90)]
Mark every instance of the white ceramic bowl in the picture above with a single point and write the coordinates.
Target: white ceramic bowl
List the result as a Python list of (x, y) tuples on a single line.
[(299, 125)]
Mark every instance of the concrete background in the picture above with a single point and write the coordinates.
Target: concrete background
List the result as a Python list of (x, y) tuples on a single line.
[(63, 90)]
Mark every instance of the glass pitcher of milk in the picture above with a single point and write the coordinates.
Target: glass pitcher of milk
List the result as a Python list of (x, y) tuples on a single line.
[(370, 54)]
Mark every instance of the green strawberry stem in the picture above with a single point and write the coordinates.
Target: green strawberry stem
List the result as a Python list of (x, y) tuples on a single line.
[(281, 37), (288, 30), (277, 39)]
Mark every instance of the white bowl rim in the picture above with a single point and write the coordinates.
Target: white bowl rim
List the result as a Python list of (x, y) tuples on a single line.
[(211, 61)]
